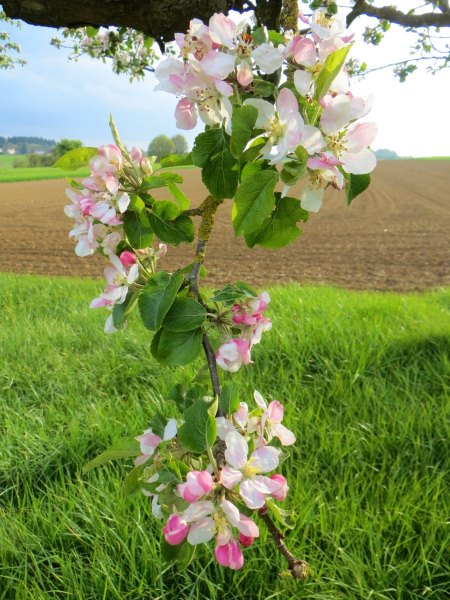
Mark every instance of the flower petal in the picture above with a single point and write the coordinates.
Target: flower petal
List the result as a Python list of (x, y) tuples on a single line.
[(201, 531), (229, 477), (237, 450), (265, 459)]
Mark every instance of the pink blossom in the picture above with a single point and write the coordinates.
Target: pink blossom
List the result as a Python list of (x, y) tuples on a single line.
[(233, 354), (208, 520), (119, 279), (271, 421), (244, 74), (175, 530), (245, 540), (245, 472), (281, 493), (224, 31), (149, 441), (230, 555), (303, 50), (185, 114), (285, 127), (326, 27), (198, 483), (127, 258)]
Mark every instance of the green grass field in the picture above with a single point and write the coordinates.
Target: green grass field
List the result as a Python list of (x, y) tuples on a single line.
[(38, 173), (364, 377), (7, 160)]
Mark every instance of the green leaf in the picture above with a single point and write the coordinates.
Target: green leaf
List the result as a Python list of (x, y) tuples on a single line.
[(91, 31), (185, 314), (230, 294), (253, 151), (259, 35), (157, 424), (120, 312), (76, 158), (356, 184), (169, 225), (176, 347), (220, 170), (136, 203), (157, 297), (182, 554), (229, 399), (124, 448), (137, 229), (199, 430), (132, 483), (263, 88), (242, 124), (254, 201), (176, 160), (178, 395), (180, 197), (160, 180), (280, 229), (276, 37), (293, 170), (330, 70)]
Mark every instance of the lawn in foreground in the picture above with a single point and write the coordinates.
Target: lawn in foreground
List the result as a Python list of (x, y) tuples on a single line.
[(363, 379)]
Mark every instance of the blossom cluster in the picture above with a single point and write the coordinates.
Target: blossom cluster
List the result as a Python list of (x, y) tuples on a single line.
[(209, 503), (220, 68), (98, 203), (249, 324)]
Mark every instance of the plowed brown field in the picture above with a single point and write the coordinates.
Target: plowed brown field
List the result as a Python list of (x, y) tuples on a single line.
[(393, 237)]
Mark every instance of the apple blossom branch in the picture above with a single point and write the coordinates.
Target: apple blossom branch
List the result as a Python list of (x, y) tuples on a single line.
[(297, 567), (207, 211)]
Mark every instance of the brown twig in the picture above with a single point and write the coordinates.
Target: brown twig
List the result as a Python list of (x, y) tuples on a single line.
[(297, 567), (207, 210)]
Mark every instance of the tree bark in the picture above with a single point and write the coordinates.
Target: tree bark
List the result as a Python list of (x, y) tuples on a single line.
[(159, 19)]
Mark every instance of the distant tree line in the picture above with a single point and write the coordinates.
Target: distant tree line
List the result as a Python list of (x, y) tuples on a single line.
[(47, 160), (26, 144), (161, 145)]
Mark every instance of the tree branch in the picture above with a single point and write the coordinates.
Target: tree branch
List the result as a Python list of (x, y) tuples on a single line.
[(297, 567), (207, 210), (393, 15)]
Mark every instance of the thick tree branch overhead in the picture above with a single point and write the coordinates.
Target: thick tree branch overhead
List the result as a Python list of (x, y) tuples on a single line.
[(156, 18), (408, 19), (162, 18)]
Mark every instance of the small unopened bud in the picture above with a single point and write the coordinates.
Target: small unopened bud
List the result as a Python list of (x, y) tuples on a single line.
[(245, 540), (127, 258)]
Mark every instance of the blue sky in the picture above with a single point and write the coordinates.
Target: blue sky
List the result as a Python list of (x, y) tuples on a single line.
[(54, 98)]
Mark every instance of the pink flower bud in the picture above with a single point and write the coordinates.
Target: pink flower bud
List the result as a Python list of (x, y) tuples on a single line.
[(245, 540), (230, 555), (281, 493), (198, 483), (234, 353), (128, 259), (175, 530)]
